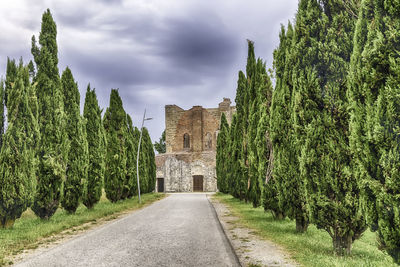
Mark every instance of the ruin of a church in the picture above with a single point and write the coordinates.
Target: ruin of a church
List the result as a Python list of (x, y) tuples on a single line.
[(191, 139)]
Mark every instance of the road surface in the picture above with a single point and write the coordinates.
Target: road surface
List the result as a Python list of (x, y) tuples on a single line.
[(180, 230)]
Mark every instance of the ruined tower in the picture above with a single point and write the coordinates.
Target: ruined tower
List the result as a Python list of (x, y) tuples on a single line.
[(191, 138)]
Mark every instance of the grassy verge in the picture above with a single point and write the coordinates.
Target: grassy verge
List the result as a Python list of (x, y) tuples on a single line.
[(29, 230), (313, 248)]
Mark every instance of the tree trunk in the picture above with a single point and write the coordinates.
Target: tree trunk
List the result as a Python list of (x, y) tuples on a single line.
[(7, 223), (278, 215), (342, 244), (301, 224)]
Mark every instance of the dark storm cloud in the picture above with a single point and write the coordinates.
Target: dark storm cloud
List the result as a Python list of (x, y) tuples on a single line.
[(201, 43), (177, 53)]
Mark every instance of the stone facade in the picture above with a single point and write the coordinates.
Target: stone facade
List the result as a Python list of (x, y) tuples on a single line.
[(191, 139)]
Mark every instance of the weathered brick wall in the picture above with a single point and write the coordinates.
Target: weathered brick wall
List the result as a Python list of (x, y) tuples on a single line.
[(196, 122), (173, 114), (178, 165), (178, 170)]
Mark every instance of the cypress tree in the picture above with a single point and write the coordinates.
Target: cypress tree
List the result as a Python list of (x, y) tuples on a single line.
[(222, 155), (96, 149), (77, 164), (290, 196), (17, 156), (53, 146), (321, 119), (1, 111), (131, 154), (115, 163), (239, 172), (232, 156), (374, 124), (258, 136), (150, 163)]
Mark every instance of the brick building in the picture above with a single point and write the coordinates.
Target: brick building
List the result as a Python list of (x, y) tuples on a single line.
[(191, 139)]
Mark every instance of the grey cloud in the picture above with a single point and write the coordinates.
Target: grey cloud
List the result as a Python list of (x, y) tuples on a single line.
[(201, 43)]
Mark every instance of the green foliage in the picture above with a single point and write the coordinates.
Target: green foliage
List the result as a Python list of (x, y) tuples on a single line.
[(17, 156), (322, 47), (11, 76), (130, 188), (53, 146), (258, 136), (2, 94), (148, 164), (116, 128), (96, 149), (286, 189), (77, 164), (222, 167), (160, 146), (374, 125)]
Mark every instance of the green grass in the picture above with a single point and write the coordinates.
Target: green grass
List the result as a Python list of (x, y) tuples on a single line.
[(29, 231), (313, 248)]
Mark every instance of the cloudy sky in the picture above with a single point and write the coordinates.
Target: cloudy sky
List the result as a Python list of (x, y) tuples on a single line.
[(157, 52)]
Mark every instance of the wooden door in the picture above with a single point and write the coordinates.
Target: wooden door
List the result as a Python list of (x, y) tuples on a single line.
[(160, 184), (197, 183)]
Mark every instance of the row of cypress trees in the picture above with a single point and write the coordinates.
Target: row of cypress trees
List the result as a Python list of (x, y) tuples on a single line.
[(50, 155), (322, 147)]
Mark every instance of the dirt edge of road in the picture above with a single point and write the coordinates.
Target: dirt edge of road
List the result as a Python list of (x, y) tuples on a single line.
[(250, 249)]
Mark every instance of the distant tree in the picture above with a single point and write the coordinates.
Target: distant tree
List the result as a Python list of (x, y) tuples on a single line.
[(53, 146), (116, 131), (374, 97), (149, 161), (17, 156), (78, 158), (96, 149), (160, 146), (222, 155)]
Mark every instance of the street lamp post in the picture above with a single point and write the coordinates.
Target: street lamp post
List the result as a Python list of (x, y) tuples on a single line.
[(138, 150)]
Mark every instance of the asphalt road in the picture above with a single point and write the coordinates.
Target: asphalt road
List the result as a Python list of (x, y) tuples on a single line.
[(180, 230)]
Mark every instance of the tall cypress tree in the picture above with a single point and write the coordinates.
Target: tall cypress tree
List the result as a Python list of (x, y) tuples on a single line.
[(374, 87), (17, 156), (53, 146), (96, 149), (150, 163), (1, 111), (131, 154), (239, 173), (258, 136), (222, 157), (77, 164), (232, 156), (115, 164), (289, 184), (323, 37)]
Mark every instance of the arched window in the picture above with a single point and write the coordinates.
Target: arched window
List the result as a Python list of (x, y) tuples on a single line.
[(186, 141), (208, 141)]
